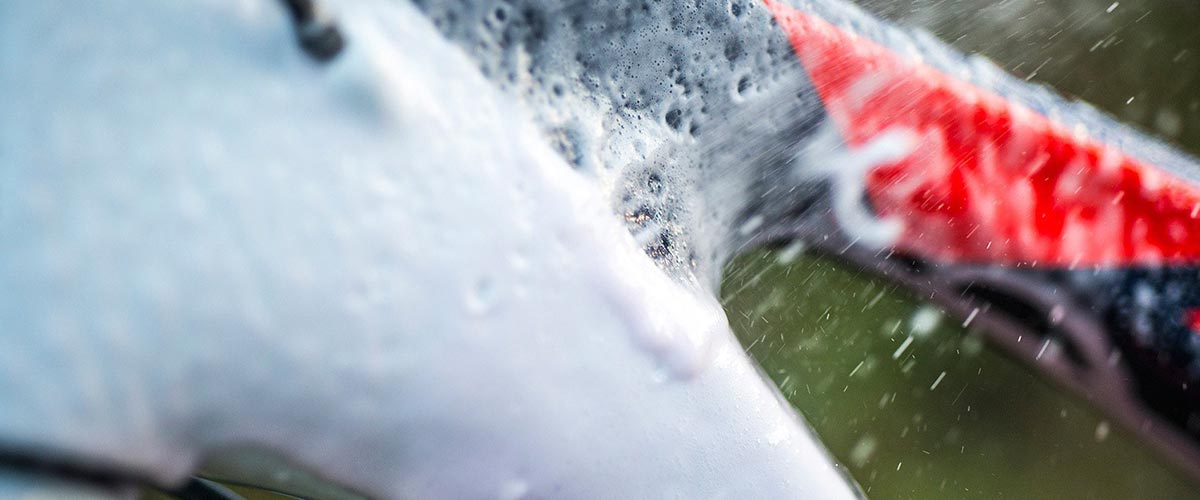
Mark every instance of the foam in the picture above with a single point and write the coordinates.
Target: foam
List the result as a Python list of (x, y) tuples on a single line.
[(379, 269)]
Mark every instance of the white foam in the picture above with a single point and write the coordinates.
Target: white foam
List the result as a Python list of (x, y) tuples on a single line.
[(826, 156)]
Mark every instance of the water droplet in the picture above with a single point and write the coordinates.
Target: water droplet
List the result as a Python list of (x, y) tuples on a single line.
[(750, 225), (482, 296), (863, 450), (790, 253), (513, 490), (924, 321)]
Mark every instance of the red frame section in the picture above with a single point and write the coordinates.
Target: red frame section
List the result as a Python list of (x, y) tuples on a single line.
[(991, 181)]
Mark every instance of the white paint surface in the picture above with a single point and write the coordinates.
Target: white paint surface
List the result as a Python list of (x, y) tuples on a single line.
[(378, 269)]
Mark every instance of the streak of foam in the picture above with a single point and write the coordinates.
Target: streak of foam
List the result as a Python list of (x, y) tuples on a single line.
[(826, 156)]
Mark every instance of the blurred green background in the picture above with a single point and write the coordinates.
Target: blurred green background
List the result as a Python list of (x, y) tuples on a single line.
[(947, 416), (940, 416)]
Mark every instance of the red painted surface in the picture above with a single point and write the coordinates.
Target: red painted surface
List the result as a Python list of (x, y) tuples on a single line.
[(991, 181), (1193, 320)]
